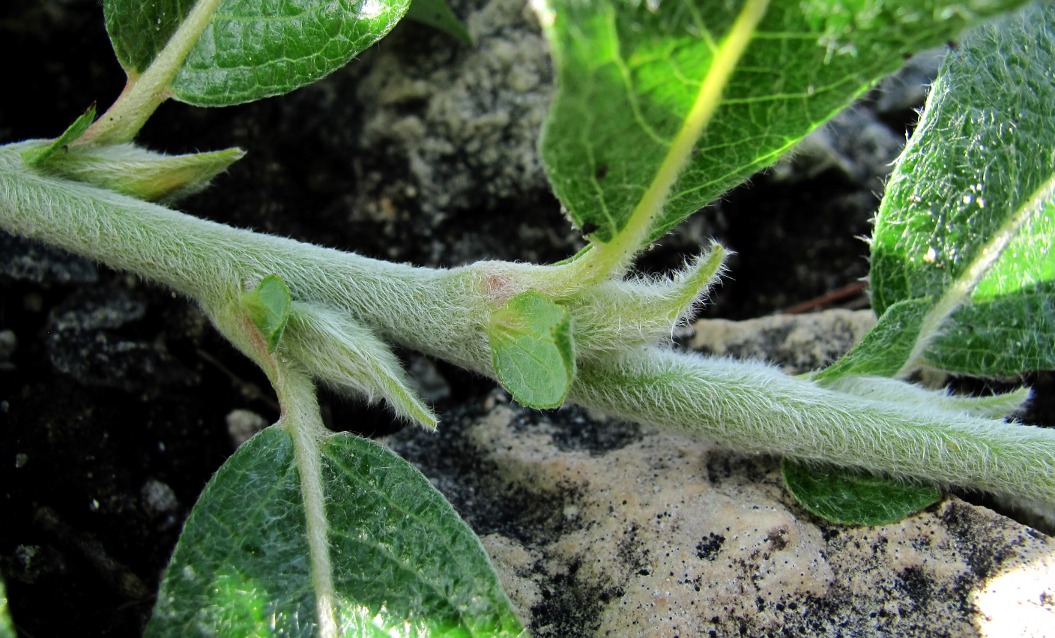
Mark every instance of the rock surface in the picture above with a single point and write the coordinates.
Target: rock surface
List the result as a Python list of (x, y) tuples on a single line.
[(601, 528), (798, 343)]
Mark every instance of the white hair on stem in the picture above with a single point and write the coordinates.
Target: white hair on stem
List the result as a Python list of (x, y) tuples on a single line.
[(755, 408)]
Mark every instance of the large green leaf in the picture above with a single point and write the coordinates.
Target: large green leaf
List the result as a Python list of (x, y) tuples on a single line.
[(968, 219), (251, 49), (631, 73), (403, 562)]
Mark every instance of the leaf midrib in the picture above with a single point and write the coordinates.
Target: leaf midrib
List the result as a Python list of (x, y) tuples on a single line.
[(612, 258), (960, 290)]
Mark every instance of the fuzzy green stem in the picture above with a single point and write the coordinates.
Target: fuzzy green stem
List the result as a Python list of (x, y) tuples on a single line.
[(756, 408), (302, 418), (747, 406), (431, 310)]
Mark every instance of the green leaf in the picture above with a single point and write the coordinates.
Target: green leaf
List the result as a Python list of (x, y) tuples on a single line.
[(251, 49), (268, 306), (532, 350), (39, 156), (632, 76), (403, 562), (968, 219), (886, 347), (855, 498), (7, 628), (438, 15), (140, 173)]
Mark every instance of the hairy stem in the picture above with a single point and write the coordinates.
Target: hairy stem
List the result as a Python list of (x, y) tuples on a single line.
[(747, 406), (431, 310), (756, 408)]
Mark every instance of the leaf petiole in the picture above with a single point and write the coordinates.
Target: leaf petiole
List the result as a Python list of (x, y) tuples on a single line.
[(144, 93)]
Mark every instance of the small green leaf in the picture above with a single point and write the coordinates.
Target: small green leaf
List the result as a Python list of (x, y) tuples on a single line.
[(268, 306), (532, 350), (140, 173), (403, 562), (855, 498), (250, 49), (38, 156), (632, 73), (968, 219), (7, 628), (438, 15)]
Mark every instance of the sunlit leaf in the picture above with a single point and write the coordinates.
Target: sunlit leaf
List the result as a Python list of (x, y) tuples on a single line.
[(403, 562), (968, 219), (631, 73)]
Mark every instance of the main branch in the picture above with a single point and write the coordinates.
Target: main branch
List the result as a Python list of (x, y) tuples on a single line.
[(746, 406)]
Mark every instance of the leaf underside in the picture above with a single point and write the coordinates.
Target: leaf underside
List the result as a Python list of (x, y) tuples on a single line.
[(855, 498), (403, 561), (251, 49), (628, 77), (980, 167)]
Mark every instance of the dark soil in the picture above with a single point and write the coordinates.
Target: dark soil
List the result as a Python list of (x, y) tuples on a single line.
[(115, 394)]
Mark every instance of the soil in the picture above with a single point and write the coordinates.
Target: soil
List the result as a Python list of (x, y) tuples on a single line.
[(116, 397)]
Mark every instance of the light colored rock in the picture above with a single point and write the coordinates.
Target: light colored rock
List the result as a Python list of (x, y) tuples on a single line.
[(602, 528), (797, 343), (242, 425), (607, 529)]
